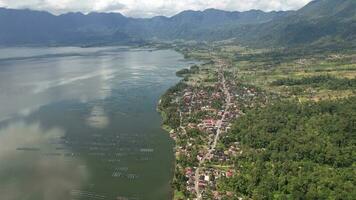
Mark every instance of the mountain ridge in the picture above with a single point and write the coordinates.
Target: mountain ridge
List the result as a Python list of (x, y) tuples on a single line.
[(320, 20), (77, 27)]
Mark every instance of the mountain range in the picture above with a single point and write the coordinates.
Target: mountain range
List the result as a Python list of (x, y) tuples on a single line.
[(320, 21)]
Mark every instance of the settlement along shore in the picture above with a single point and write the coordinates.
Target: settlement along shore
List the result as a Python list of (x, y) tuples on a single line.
[(197, 112)]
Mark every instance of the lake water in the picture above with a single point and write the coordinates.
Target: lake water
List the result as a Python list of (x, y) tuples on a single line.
[(81, 123)]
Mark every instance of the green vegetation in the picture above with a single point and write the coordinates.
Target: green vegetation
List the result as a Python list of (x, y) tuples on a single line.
[(168, 107), (296, 136), (296, 73), (296, 151), (323, 81), (184, 72)]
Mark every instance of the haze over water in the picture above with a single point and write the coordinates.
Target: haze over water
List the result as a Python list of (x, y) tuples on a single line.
[(81, 123)]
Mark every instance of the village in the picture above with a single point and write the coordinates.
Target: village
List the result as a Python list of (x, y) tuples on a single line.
[(206, 113)]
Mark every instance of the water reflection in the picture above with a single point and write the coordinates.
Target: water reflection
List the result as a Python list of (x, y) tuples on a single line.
[(32, 162), (28, 84), (98, 118), (108, 144)]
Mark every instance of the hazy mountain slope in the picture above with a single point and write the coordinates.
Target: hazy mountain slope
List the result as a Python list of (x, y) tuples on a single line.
[(20, 27), (319, 21), (35, 27), (210, 24)]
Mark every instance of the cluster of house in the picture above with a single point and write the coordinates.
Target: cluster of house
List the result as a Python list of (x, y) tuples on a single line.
[(201, 101), (201, 98), (207, 180), (198, 102)]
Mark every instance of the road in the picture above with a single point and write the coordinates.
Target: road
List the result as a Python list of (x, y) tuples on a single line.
[(218, 132)]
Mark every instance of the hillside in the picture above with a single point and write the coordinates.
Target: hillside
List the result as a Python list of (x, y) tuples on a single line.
[(320, 22), (20, 27), (36, 27), (197, 25)]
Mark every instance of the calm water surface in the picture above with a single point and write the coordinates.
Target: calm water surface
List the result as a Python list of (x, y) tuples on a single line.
[(82, 123)]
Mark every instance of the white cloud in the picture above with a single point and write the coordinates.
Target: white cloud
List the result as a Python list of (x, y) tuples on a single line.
[(149, 8)]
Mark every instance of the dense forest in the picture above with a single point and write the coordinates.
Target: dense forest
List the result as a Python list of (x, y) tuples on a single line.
[(323, 81), (296, 151)]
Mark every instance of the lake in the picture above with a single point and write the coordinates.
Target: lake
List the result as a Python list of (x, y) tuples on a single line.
[(81, 123)]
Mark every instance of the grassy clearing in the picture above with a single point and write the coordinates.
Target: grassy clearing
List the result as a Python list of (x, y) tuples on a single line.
[(178, 195)]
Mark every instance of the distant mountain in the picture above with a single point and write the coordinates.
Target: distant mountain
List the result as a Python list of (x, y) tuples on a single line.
[(20, 27), (37, 27), (321, 21), (202, 25)]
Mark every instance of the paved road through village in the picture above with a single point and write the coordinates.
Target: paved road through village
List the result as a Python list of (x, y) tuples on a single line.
[(221, 66)]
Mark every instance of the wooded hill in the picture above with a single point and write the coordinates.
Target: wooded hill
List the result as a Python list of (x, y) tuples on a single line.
[(321, 22)]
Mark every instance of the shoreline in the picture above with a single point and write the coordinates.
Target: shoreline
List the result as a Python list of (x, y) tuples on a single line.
[(168, 129), (198, 112), (165, 127), (174, 130)]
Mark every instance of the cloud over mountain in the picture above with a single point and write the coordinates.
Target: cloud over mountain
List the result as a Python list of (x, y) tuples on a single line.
[(143, 8)]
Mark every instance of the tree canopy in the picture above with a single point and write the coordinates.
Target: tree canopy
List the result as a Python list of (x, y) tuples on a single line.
[(296, 151)]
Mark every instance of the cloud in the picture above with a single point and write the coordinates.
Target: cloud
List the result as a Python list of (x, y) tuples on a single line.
[(108, 6), (149, 8)]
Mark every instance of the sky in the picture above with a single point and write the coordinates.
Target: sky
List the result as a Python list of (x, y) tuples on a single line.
[(150, 8)]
